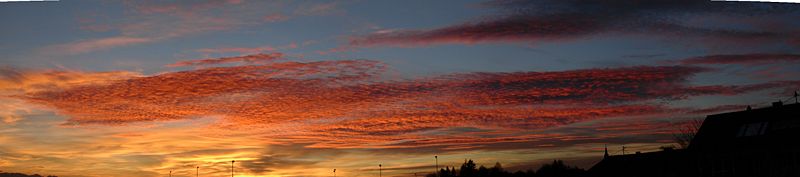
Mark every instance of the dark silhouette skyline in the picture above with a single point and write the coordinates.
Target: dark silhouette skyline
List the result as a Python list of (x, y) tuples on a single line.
[(750, 142), (5, 174), (469, 168)]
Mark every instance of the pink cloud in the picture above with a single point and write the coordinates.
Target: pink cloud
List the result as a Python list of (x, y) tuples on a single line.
[(157, 21), (85, 46), (524, 28), (251, 50), (239, 50), (321, 8), (250, 59), (275, 18)]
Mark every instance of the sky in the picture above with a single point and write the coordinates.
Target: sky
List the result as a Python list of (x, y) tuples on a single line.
[(299, 88)]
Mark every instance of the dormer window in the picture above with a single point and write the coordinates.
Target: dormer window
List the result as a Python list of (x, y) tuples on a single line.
[(753, 129)]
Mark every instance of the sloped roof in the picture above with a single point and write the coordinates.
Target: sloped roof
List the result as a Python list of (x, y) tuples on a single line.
[(660, 163), (748, 127)]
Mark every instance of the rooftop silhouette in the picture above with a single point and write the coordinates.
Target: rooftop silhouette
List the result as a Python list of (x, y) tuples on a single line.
[(751, 142)]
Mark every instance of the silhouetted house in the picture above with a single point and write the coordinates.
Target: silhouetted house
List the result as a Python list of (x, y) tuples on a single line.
[(651, 164), (753, 142)]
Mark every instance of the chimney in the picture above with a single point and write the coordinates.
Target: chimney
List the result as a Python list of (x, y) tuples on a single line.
[(777, 104)]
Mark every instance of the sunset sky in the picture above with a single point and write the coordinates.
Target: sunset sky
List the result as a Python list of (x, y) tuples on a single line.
[(299, 88)]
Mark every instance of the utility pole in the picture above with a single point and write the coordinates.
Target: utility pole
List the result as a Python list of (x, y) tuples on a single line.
[(623, 150)]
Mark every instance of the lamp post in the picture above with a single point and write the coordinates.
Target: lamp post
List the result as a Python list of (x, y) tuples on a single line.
[(170, 173), (380, 173), (232, 161), (198, 171), (334, 172), (436, 171)]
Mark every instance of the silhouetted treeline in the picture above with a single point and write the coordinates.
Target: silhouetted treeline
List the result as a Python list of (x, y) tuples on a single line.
[(469, 169), (21, 175)]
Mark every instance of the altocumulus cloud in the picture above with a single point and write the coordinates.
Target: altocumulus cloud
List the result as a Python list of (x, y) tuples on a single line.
[(347, 104)]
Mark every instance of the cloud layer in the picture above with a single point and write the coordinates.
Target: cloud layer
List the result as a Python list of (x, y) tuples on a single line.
[(747, 59), (547, 21), (248, 59), (349, 104)]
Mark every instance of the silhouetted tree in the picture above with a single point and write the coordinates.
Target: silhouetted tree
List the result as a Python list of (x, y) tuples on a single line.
[(467, 169), (555, 169), (497, 170), (483, 171), (530, 172), (558, 169), (686, 133), (521, 173), (444, 173)]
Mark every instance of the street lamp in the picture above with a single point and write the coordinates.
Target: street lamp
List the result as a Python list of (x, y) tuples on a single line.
[(198, 171), (232, 161), (170, 173), (436, 171), (380, 173), (334, 172)]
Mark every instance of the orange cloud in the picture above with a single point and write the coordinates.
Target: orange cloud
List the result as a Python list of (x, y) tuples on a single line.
[(284, 117), (194, 93), (14, 81), (348, 104)]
